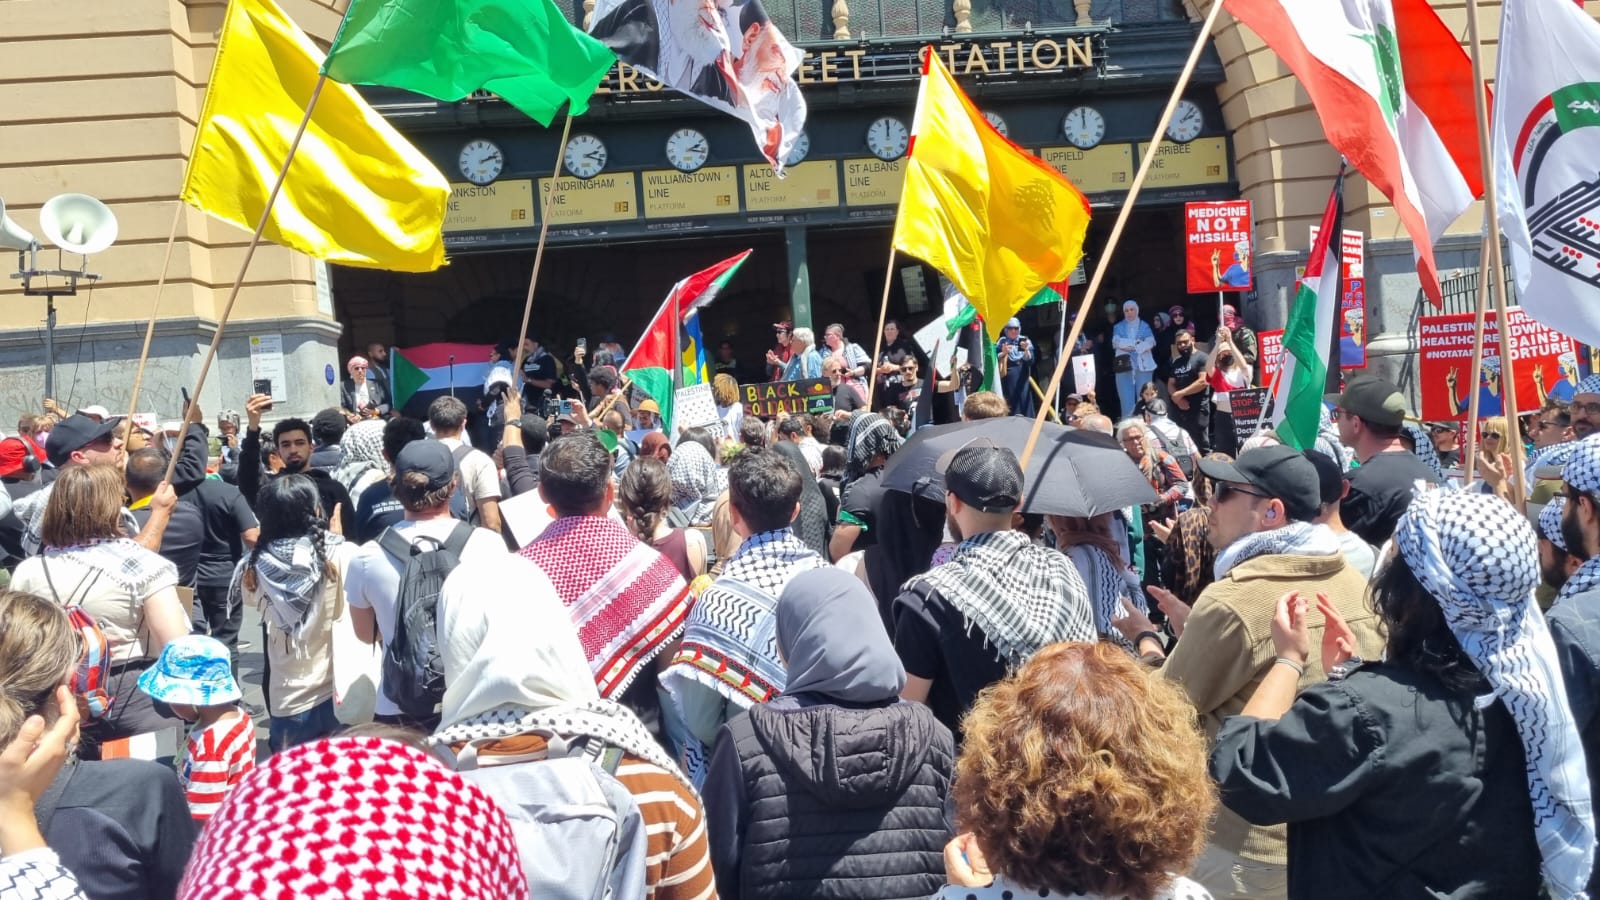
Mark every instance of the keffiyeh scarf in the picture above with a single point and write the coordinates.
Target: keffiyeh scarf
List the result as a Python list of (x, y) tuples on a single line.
[(1297, 538), (1553, 455), (360, 459), (1550, 523), (1020, 595), (1478, 558), (1422, 447), (289, 575), (627, 601), (694, 482), (1328, 439), (871, 435)]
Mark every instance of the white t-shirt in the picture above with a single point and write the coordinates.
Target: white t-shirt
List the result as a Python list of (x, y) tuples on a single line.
[(111, 580), (479, 478), (373, 579)]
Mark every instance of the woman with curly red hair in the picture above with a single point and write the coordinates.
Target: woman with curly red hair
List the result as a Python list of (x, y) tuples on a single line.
[(1071, 793)]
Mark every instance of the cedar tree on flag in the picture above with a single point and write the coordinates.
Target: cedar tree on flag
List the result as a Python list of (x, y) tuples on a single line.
[(997, 221), (357, 193), (524, 51), (651, 364), (1393, 89), (1310, 334)]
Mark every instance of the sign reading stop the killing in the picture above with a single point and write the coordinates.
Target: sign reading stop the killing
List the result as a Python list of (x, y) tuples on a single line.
[(1545, 360), (1216, 238), (1270, 346)]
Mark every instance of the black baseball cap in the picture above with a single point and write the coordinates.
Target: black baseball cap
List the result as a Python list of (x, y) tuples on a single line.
[(1373, 399), (431, 458), (1330, 477), (986, 477), (76, 432), (1282, 473)]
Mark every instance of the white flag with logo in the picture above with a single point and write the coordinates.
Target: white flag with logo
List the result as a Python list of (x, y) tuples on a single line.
[(1546, 147)]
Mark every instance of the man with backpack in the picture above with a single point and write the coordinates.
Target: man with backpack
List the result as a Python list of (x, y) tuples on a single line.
[(478, 490), (393, 581)]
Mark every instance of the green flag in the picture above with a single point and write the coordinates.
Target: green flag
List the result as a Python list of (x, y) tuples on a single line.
[(524, 51)]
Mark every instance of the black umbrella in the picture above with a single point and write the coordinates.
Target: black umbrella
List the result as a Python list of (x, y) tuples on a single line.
[(1072, 472)]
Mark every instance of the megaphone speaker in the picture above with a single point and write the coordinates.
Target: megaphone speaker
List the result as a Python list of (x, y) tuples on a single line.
[(78, 223), (12, 235)]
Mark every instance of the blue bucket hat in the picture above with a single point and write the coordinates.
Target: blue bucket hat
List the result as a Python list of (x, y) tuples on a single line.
[(193, 670)]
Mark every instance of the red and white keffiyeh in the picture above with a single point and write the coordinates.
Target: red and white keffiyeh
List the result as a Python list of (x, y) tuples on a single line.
[(627, 600), (356, 819)]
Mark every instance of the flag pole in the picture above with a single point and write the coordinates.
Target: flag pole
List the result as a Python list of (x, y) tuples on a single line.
[(883, 317), (1477, 363), (538, 253), (1124, 212), (1508, 376), (244, 266), (155, 305), (1062, 354)]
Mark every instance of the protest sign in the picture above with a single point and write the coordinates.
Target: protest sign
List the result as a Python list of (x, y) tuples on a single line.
[(1249, 405), (811, 395), (1545, 360), (1270, 345), (1216, 238), (1083, 375), (1352, 299)]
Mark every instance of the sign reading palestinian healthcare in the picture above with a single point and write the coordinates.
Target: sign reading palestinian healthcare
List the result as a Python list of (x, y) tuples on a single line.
[(1216, 246), (607, 197), (1201, 161), (1352, 300), (809, 185), (1099, 170), (1270, 345), (873, 182), (811, 395), (670, 194), (1249, 405), (1546, 364), (490, 207)]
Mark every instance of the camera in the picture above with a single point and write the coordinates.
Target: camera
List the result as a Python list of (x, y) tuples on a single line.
[(549, 405)]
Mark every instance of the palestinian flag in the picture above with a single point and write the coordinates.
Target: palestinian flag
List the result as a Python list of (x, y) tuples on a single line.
[(651, 365), (1393, 89), (1310, 335), (419, 375)]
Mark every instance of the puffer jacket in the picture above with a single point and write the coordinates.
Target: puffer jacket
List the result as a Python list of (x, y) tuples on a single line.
[(817, 800)]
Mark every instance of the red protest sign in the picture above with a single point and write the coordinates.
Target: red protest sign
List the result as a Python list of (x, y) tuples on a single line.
[(1270, 346), (1352, 300), (1216, 246), (1546, 364)]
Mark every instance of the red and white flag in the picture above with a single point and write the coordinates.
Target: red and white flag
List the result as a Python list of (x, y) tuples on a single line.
[(1394, 91)]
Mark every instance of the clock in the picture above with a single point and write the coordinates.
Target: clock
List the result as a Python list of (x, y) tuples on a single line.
[(1186, 123), (1084, 127), (687, 150), (797, 153), (481, 162), (998, 123), (586, 155), (888, 138)]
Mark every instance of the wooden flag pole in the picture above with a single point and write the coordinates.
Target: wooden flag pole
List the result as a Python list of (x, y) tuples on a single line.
[(538, 253), (155, 306), (1123, 213), (1477, 364), (1508, 375), (244, 266), (883, 318)]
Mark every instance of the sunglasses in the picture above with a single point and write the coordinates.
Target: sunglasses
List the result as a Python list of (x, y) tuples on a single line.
[(1226, 489)]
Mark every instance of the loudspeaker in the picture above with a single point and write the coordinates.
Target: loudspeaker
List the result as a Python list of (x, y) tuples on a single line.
[(12, 235), (78, 223)]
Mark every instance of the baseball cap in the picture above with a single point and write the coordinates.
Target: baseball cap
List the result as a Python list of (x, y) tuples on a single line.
[(785, 325), (13, 456), (650, 406), (193, 669), (76, 432), (1013, 323), (1373, 399), (1282, 472), (95, 411), (986, 477), (431, 458)]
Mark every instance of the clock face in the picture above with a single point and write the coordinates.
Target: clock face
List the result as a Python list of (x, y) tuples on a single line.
[(586, 155), (888, 138), (481, 162), (1186, 123), (797, 153), (998, 123), (1084, 127), (687, 150)]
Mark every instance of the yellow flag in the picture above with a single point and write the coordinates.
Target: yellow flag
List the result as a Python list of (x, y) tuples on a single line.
[(357, 192), (998, 222)]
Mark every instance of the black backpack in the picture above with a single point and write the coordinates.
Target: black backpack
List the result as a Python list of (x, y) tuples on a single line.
[(413, 676), (461, 505)]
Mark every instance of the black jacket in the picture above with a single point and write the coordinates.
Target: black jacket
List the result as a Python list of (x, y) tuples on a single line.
[(377, 396), (250, 478), (828, 801), (1393, 787), (121, 826)]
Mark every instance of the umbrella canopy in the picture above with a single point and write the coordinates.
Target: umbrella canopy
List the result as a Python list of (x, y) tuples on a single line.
[(1072, 472)]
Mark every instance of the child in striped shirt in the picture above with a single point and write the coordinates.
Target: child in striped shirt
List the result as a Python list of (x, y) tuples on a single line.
[(194, 678)]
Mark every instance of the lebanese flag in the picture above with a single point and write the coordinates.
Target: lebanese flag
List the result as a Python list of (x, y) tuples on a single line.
[(1394, 91), (1545, 149), (1309, 337)]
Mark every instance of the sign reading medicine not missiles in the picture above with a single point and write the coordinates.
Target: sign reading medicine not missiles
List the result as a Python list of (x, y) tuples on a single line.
[(1545, 362), (1216, 246)]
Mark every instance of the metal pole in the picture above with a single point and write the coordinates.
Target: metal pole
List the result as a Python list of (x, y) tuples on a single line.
[(50, 346), (1063, 355)]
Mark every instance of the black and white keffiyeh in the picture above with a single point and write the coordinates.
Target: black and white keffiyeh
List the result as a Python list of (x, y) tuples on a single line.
[(1107, 586), (1582, 473), (1328, 441), (1477, 556), (361, 462), (1297, 538), (1021, 596), (870, 435), (1553, 455), (289, 573), (1550, 523), (1422, 447), (1590, 385)]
